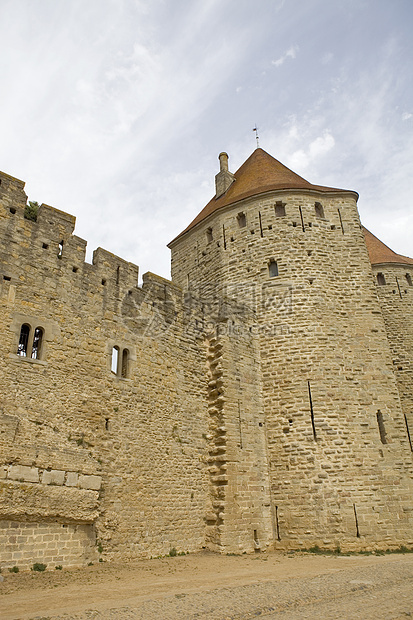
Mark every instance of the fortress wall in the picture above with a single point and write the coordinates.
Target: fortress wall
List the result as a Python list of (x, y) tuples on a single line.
[(396, 302), (328, 383), (81, 446), (114, 463)]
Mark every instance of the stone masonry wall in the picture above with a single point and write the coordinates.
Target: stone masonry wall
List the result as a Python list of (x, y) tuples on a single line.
[(120, 456), (396, 302), (23, 544), (69, 421), (239, 518), (340, 460)]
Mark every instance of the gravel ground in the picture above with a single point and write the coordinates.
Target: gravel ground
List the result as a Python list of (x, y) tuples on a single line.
[(287, 588)]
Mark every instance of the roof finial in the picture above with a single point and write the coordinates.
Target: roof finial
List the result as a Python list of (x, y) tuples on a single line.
[(256, 135)]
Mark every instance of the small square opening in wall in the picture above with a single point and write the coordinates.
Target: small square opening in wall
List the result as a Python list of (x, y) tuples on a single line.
[(12, 210), (273, 268), (75, 269), (45, 246)]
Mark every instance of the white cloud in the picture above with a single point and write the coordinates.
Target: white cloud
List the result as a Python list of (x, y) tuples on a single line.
[(327, 58), (321, 145), (406, 116), (290, 53), (303, 158)]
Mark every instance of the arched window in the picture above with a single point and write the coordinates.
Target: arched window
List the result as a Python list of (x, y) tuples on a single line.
[(115, 360), (23, 340), (409, 279), (125, 358), (381, 280), (319, 211), (37, 343), (119, 364)]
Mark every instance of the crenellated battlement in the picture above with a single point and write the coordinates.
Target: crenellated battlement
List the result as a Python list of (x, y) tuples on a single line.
[(48, 246)]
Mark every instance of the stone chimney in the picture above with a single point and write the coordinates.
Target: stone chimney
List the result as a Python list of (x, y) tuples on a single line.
[(224, 178)]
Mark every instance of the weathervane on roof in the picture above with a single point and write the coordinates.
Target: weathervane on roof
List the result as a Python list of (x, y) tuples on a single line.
[(256, 135)]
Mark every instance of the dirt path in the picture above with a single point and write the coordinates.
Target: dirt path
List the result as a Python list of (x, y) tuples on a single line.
[(288, 587)]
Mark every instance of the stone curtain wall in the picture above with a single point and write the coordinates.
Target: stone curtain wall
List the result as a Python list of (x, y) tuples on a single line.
[(67, 414), (327, 373), (129, 453)]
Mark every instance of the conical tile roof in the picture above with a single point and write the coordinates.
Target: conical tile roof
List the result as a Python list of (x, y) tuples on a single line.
[(260, 173), (381, 253)]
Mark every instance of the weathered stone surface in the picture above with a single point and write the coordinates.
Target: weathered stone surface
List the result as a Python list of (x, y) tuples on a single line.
[(23, 473), (90, 482), (72, 479), (53, 477)]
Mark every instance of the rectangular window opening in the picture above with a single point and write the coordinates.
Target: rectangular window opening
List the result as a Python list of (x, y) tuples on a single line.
[(273, 268), (319, 211), (279, 208), (242, 220)]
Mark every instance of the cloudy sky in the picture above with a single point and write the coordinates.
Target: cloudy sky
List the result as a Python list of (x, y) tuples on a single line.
[(116, 110)]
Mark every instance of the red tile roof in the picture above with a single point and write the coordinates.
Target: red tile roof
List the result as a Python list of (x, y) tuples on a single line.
[(380, 253), (258, 174)]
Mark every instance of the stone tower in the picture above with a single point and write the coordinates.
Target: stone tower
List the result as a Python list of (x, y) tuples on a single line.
[(393, 276), (340, 465)]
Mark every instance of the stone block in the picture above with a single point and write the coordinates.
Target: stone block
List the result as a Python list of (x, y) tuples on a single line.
[(23, 473), (72, 478), (90, 482), (54, 476)]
